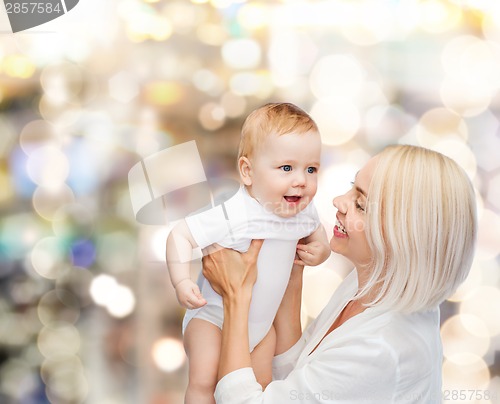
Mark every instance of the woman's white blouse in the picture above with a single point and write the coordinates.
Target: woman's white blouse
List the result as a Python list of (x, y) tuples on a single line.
[(375, 356)]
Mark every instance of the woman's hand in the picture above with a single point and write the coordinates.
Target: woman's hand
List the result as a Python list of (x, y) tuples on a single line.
[(229, 272), (232, 275)]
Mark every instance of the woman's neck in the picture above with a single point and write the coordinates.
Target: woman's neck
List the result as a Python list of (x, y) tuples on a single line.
[(364, 275)]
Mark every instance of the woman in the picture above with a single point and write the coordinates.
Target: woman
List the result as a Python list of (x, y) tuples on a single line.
[(408, 225)]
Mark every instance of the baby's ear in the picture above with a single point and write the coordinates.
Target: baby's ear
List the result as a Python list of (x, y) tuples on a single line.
[(245, 170)]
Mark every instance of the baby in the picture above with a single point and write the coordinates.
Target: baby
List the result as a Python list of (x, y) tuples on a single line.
[(278, 163)]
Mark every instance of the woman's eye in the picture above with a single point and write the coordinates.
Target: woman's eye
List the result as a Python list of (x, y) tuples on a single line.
[(286, 167), (359, 207), (311, 170)]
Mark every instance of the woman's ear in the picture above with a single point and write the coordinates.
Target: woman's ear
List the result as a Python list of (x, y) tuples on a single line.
[(245, 170)]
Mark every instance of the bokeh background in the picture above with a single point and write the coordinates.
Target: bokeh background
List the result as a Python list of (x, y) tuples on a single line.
[(86, 312)]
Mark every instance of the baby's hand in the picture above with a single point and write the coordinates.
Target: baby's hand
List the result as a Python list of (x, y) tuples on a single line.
[(189, 295), (312, 254)]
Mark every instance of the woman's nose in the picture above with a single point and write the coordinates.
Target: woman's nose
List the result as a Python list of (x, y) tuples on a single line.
[(339, 203)]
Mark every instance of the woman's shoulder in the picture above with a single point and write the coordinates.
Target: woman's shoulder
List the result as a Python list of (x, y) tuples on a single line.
[(401, 334), (396, 349), (424, 323), (397, 325), (410, 336)]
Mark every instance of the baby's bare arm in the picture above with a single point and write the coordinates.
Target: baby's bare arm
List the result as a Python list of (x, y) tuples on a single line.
[(180, 244)]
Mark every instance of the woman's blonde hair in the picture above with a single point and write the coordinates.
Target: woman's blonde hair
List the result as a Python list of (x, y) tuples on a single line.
[(421, 228), (273, 119)]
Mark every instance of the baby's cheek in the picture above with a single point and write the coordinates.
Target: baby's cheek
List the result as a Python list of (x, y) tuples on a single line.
[(314, 187)]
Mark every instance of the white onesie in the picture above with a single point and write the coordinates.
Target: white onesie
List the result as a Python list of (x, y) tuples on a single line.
[(234, 224)]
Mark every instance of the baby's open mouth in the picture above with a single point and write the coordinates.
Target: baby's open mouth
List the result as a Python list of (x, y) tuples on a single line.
[(292, 199)]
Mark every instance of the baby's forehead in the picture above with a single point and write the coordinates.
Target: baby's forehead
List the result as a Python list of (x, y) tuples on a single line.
[(298, 148), (292, 136)]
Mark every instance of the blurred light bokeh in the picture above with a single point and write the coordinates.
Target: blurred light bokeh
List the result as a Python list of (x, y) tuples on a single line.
[(86, 312)]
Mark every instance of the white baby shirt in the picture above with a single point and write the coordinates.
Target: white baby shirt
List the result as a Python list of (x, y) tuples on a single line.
[(234, 224)]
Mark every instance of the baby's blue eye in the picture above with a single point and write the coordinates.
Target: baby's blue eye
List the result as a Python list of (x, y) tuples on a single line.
[(286, 167), (311, 170)]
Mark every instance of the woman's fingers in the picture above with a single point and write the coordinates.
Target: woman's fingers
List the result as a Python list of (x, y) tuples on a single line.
[(249, 267), (255, 247), (215, 266), (211, 249), (228, 270)]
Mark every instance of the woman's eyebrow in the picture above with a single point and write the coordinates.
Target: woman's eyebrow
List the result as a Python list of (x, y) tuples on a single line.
[(361, 191)]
